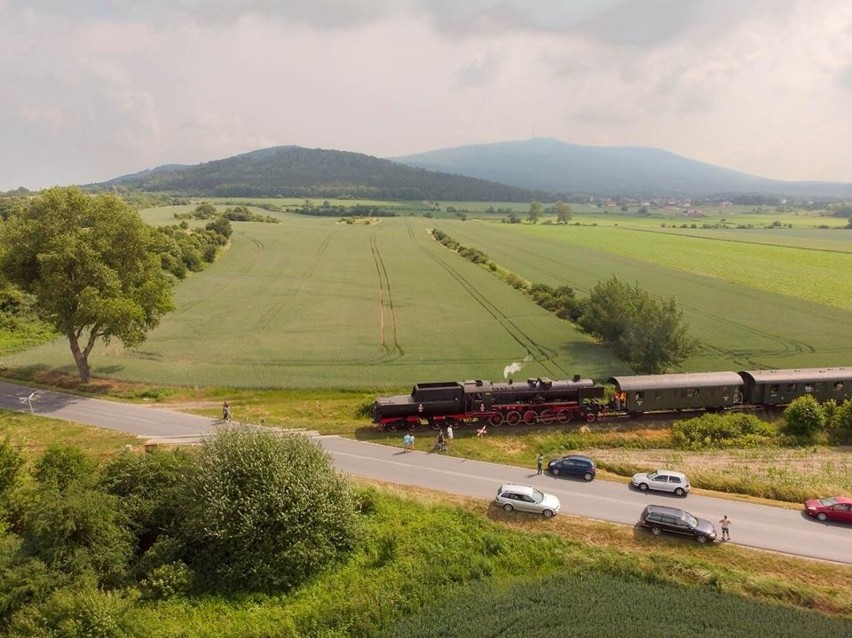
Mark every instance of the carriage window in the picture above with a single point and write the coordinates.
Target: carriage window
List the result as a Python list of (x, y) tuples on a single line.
[(639, 397), (809, 387), (692, 392), (773, 390), (791, 387), (726, 392), (820, 387), (838, 386), (658, 394)]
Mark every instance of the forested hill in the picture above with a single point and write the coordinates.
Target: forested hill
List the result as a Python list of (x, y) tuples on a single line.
[(293, 171)]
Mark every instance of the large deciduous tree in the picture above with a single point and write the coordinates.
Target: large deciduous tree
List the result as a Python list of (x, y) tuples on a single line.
[(92, 265), (648, 333)]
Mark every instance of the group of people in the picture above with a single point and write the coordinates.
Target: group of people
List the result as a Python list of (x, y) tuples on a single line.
[(441, 441)]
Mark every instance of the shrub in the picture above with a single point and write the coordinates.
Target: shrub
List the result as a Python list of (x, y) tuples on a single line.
[(268, 511), (805, 417), (167, 581), (842, 422), (79, 531), (10, 466), (721, 431), (60, 466)]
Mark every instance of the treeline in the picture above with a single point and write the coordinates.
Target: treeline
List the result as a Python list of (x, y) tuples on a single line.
[(315, 173), (806, 421), (327, 210), (83, 542), (647, 333)]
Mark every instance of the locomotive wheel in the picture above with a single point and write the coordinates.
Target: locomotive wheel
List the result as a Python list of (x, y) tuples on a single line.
[(436, 425), (548, 416), (530, 417), (496, 420), (564, 416), (393, 427), (513, 417)]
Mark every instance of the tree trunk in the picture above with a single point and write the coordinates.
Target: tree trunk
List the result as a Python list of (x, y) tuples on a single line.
[(80, 358)]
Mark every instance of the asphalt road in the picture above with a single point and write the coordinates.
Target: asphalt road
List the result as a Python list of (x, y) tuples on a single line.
[(759, 526)]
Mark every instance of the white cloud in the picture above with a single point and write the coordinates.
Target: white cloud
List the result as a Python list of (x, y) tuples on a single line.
[(94, 89)]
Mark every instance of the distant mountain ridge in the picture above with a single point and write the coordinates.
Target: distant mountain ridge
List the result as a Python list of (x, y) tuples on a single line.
[(293, 171), (559, 167)]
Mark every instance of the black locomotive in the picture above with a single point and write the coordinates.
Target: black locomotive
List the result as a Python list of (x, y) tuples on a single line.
[(543, 400)]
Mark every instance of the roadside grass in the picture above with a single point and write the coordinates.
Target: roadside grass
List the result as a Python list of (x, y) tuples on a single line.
[(33, 434), (425, 552)]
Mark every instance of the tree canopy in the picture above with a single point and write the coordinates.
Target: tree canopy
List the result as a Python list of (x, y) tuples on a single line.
[(648, 333), (92, 265)]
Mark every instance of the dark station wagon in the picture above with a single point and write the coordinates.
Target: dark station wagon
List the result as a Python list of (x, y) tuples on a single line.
[(661, 518), (573, 465)]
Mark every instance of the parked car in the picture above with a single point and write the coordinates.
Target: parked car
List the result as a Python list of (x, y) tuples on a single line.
[(573, 465), (835, 508), (662, 481), (661, 518), (527, 499)]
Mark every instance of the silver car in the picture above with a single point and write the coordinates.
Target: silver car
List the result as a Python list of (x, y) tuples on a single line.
[(662, 481), (527, 499)]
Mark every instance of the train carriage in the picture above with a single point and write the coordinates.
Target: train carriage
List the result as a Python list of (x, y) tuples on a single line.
[(779, 387), (690, 391)]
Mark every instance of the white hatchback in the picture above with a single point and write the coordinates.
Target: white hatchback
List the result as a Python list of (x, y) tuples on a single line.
[(527, 499), (662, 481)]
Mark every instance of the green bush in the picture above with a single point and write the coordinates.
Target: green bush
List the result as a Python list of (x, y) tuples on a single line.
[(79, 531), (11, 462), (805, 417), (841, 422), (268, 511), (167, 581), (60, 466), (722, 431)]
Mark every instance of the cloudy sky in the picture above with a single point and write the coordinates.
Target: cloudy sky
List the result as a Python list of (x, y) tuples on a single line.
[(93, 89)]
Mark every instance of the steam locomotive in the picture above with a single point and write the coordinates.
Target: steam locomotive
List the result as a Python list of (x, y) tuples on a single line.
[(543, 400)]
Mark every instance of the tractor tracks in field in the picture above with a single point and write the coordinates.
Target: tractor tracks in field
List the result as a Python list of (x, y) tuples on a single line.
[(386, 307), (544, 356)]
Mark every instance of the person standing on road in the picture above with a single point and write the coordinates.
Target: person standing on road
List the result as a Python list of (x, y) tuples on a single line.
[(406, 442), (538, 461), (726, 528)]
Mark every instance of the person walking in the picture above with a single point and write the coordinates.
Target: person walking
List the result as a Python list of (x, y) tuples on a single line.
[(226, 411), (538, 461), (726, 528)]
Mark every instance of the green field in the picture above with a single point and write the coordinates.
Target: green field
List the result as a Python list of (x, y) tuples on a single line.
[(315, 302), (751, 305)]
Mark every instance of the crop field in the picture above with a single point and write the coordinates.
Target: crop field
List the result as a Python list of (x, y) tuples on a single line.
[(313, 302), (752, 306)]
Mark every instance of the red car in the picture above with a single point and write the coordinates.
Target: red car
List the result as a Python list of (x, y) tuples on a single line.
[(835, 508)]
